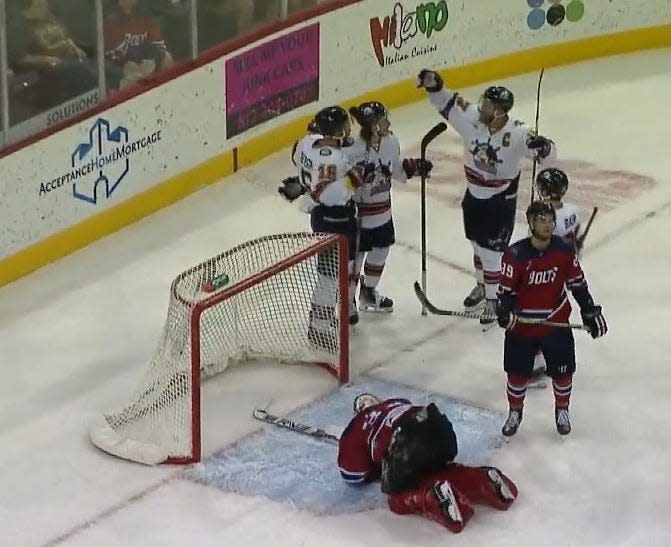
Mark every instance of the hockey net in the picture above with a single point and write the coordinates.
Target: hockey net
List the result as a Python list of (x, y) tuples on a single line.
[(280, 297)]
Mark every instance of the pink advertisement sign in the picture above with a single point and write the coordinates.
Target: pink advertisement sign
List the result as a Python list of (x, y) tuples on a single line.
[(271, 79)]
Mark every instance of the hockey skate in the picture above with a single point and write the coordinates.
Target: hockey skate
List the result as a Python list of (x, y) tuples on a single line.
[(563, 421), (371, 300), (513, 422), (489, 313), (475, 297)]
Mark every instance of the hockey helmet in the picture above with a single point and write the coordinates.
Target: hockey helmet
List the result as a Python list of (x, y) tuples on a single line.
[(552, 183), (333, 121), (500, 96), (369, 113), (540, 208), (363, 401)]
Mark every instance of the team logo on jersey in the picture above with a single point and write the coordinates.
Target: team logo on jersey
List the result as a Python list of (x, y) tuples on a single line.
[(485, 156), (404, 25), (543, 277)]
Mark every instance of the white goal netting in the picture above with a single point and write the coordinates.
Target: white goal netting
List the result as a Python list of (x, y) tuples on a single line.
[(277, 297)]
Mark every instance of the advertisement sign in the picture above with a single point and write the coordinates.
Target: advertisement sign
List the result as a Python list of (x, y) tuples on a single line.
[(99, 165), (273, 78), (408, 31)]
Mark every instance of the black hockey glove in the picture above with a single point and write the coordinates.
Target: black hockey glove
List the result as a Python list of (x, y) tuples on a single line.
[(594, 320), (416, 167), (429, 80), (291, 188), (504, 316), (542, 145)]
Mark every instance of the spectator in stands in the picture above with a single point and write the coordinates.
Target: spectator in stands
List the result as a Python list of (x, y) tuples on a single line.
[(222, 20), (134, 44), (40, 43)]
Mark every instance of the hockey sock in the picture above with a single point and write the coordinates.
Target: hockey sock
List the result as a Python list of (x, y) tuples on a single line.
[(562, 385), (491, 269), (374, 266), (358, 263), (477, 263), (516, 390)]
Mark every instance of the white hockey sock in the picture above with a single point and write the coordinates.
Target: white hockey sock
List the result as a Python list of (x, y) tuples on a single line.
[(491, 266), (358, 263), (374, 266)]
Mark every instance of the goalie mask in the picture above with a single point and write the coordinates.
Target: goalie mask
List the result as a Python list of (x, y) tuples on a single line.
[(333, 121), (552, 184), (373, 118), (363, 401)]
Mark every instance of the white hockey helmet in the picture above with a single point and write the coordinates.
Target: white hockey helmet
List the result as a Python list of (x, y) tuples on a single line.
[(363, 401)]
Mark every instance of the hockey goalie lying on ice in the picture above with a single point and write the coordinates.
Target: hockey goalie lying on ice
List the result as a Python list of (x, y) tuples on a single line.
[(411, 450)]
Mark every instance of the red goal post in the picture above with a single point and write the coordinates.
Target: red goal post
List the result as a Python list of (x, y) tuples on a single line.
[(280, 297)]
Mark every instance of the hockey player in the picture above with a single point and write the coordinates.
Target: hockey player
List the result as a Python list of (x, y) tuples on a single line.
[(327, 181), (552, 184), (494, 145), (411, 449), (376, 144), (535, 273)]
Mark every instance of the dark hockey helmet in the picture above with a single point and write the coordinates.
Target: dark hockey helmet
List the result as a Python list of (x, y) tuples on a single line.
[(333, 121), (552, 183), (369, 113), (540, 208), (501, 96)]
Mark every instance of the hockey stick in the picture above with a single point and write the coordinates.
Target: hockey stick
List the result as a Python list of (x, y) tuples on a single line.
[(538, 112), (426, 140), (581, 238), (470, 315), (263, 416)]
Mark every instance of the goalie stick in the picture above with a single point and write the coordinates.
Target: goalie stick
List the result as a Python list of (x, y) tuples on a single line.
[(426, 140), (470, 315), (263, 416)]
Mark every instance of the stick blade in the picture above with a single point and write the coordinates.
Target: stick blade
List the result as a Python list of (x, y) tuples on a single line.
[(432, 134)]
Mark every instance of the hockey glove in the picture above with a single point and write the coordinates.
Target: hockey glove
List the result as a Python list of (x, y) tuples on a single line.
[(416, 167), (542, 145), (594, 320), (504, 317), (291, 188), (429, 80)]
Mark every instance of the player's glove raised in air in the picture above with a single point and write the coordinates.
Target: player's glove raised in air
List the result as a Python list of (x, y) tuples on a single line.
[(429, 80), (594, 320), (291, 188), (504, 316), (542, 145), (416, 167)]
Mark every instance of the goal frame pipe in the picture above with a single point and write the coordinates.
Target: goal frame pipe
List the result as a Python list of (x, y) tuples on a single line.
[(342, 374)]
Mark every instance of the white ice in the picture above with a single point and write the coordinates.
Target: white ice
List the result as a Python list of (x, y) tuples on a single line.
[(77, 335)]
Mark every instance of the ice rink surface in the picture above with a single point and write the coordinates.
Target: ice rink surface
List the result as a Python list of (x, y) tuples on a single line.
[(77, 335)]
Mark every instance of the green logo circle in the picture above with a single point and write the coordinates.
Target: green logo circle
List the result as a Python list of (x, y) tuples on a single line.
[(575, 10)]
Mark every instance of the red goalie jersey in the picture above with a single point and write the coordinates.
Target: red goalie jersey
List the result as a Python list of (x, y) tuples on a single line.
[(366, 439), (536, 282)]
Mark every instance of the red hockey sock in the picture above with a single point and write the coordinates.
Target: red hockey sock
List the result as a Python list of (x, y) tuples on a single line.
[(516, 389), (562, 386)]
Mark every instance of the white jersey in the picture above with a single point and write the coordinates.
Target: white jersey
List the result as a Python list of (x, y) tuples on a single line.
[(491, 161), (374, 199), (568, 222), (325, 169)]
